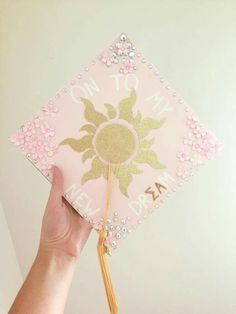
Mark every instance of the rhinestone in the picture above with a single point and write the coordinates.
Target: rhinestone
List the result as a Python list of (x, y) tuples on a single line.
[(125, 52), (115, 214), (118, 228), (118, 236), (113, 243), (112, 227), (118, 45), (123, 221), (115, 219), (124, 229), (123, 37)]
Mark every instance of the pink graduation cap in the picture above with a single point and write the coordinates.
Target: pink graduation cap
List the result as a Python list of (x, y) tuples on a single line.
[(124, 140)]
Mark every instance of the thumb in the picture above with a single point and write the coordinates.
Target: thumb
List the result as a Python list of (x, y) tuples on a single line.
[(55, 197)]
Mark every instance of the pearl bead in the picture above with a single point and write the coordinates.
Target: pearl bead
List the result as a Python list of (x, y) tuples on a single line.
[(131, 54)]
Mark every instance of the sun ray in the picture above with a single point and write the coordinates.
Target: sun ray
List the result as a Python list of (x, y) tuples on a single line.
[(146, 144), (147, 125), (88, 154), (125, 107), (137, 119), (88, 128), (150, 158), (125, 178), (95, 172), (91, 115), (79, 145), (133, 168), (110, 111)]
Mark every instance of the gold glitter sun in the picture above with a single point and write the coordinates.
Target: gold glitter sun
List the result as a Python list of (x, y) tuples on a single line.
[(118, 139)]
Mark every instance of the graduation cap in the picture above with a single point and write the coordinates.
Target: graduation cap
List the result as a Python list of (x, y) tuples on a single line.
[(124, 140)]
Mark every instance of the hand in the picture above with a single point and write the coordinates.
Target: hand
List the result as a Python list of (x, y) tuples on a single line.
[(63, 230)]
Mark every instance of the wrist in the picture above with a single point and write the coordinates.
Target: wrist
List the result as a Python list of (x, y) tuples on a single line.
[(47, 254)]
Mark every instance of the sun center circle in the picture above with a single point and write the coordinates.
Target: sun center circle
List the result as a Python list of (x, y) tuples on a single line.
[(115, 143)]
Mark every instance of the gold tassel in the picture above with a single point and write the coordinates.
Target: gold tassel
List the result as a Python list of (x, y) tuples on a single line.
[(103, 250)]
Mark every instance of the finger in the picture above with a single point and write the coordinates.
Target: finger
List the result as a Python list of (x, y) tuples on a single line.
[(56, 192)]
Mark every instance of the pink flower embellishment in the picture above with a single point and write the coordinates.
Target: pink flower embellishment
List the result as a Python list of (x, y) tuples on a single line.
[(50, 110), (35, 138), (127, 66), (196, 160), (183, 156), (183, 172), (197, 147), (17, 138), (108, 58), (192, 122)]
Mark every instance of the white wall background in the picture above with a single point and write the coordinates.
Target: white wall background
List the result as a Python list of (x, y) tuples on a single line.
[(183, 260), (10, 275)]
